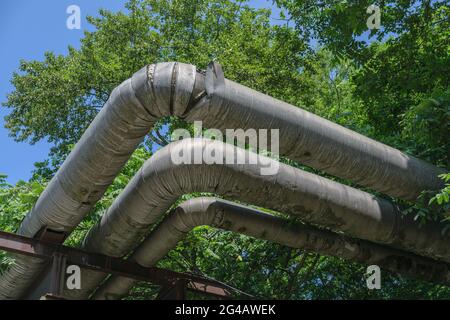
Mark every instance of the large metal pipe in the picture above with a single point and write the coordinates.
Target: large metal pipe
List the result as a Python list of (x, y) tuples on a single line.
[(177, 89), (314, 199), (128, 115), (317, 142), (244, 220)]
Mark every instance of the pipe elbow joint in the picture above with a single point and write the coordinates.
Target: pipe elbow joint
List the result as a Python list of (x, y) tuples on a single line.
[(199, 211), (166, 88)]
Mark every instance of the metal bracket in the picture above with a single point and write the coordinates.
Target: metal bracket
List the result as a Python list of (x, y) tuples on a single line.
[(174, 284), (58, 273), (175, 292), (48, 235)]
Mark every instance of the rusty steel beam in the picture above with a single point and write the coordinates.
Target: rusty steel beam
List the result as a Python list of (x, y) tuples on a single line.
[(175, 292), (211, 290), (55, 252), (59, 265)]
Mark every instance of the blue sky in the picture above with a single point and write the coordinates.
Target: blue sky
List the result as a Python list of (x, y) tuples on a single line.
[(28, 29)]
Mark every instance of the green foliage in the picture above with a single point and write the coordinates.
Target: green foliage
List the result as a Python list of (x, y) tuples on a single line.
[(428, 125), (400, 73), (400, 64), (15, 202), (341, 25), (442, 198)]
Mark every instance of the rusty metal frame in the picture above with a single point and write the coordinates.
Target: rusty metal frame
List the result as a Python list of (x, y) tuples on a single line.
[(173, 283)]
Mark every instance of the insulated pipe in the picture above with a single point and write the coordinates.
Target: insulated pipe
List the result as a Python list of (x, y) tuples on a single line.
[(317, 142), (240, 219), (129, 114), (177, 89), (314, 199)]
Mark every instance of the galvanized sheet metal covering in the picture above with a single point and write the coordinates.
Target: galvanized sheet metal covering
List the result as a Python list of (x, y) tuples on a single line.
[(163, 89), (240, 219), (317, 142), (104, 148), (314, 199)]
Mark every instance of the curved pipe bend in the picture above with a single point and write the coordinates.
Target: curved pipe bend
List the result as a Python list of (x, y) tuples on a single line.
[(172, 88), (314, 199), (129, 114), (251, 222)]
